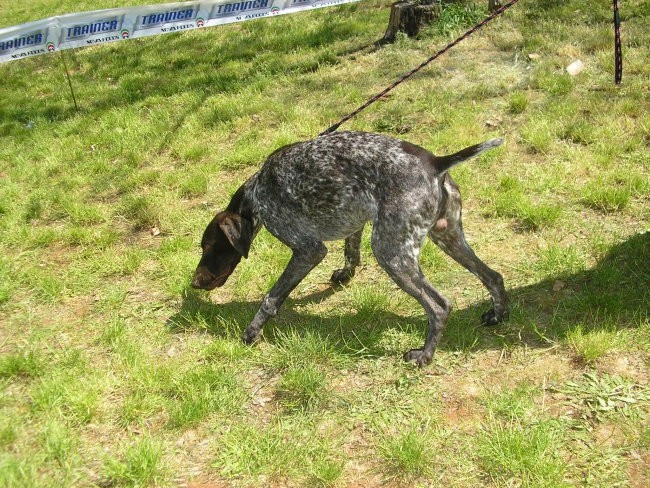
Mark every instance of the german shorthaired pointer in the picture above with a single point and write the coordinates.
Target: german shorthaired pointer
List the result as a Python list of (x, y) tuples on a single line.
[(327, 189)]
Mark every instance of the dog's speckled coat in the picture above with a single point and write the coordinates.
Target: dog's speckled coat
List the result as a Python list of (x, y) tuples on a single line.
[(327, 189)]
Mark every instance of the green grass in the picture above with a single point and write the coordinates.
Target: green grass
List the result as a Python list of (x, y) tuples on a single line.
[(589, 346), (140, 466), (302, 388), (26, 364), (114, 372), (524, 454), (408, 455)]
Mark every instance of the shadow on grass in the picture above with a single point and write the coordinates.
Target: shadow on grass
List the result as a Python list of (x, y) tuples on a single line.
[(207, 61), (612, 295)]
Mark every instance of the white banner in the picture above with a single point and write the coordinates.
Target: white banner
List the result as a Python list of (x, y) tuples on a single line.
[(101, 26)]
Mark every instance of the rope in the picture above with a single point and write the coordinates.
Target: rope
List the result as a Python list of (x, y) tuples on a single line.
[(405, 77), (618, 52)]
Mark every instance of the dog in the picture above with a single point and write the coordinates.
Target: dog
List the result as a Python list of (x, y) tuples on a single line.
[(326, 189)]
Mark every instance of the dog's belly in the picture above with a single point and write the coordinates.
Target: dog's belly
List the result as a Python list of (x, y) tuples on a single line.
[(294, 220)]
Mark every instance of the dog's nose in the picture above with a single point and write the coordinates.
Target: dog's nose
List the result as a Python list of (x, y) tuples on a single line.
[(197, 282), (202, 278)]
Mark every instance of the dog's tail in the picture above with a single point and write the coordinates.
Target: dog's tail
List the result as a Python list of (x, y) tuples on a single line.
[(444, 163)]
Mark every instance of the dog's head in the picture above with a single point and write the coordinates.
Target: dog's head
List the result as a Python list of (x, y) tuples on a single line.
[(225, 240)]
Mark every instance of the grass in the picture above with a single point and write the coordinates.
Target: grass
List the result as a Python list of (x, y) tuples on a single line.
[(407, 455), (114, 372), (140, 466), (524, 454)]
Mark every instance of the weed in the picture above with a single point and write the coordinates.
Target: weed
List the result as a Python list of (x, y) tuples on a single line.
[(142, 405), (63, 395), (58, 442), (221, 350), (77, 212), (6, 282), (456, 15), (194, 186), (45, 284), (326, 472), (370, 301), (555, 84), (27, 364), (558, 261), (518, 102), (602, 196), (298, 350), (604, 396), (113, 332), (140, 464), (141, 211), (302, 388), (513, 403), (8, 433), (407, 455), (203, 390), (512, 452), (512, 202), (539, 135), (579, 132), (591, 345), (280, 450), (18, 473)]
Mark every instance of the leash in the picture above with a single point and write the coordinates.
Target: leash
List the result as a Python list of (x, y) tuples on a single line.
[(618, 60), (405, 77), (618, 52)]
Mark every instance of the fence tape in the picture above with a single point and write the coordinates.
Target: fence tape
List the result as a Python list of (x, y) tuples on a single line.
[(103, 26)]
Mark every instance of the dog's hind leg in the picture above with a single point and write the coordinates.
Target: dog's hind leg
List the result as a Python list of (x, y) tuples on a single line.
[(398, 254), (448, 234), (303, 260), (352, 259)]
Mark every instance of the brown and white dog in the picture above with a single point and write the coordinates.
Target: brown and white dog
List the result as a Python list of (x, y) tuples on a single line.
[(327, 189)]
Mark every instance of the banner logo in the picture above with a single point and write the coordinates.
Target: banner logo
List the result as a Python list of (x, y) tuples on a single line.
[(51, 47), (200, 22), (82, 31), (236, 8), (158, 19), (125, 34), (30, 40)]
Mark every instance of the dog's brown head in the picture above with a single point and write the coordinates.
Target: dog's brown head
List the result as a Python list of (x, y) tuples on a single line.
[(225, 240)]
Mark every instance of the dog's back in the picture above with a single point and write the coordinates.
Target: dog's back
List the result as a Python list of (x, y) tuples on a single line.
[(330, 186)]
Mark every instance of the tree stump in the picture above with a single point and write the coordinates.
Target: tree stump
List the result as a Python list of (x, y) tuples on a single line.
[(409, 16), (494, 5)]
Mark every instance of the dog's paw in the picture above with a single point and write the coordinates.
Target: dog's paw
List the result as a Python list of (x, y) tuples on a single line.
[(341, 277), (251, 335), (418, 356), (491, 318)]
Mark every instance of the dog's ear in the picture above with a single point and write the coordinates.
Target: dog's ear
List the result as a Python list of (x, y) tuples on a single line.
[(238, 231)]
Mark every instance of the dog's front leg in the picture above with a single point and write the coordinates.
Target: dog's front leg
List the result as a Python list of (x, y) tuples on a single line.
[(303, 260)]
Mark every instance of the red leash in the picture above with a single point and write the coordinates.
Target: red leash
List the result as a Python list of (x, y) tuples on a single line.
[(618, 59), (491, 17)]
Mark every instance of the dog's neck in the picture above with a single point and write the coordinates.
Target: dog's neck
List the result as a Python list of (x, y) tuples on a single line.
[(243, 205)]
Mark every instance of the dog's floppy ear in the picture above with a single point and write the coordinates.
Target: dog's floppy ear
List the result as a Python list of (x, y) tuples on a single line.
[(238, 231)]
